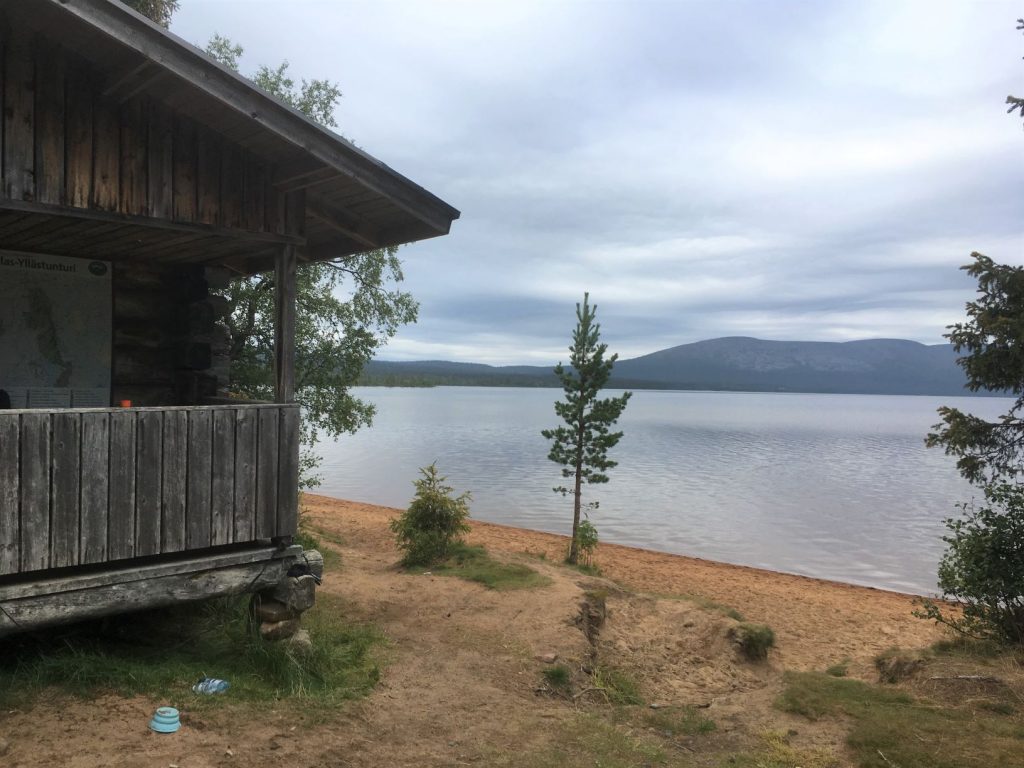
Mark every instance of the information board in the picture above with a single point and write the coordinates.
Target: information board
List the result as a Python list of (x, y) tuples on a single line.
[(55, 331)]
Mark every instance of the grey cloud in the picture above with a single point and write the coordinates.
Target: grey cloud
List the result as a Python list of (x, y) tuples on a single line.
[(784, 170)]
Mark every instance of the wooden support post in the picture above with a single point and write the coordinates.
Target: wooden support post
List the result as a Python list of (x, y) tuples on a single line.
[(284, 325)]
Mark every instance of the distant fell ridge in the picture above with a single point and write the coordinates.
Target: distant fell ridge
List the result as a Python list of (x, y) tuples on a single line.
[(735, 363)]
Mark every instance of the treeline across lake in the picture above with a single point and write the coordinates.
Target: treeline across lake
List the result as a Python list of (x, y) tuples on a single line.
[(734, 364)]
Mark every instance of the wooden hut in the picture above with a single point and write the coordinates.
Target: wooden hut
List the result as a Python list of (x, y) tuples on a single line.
[(138, 176)]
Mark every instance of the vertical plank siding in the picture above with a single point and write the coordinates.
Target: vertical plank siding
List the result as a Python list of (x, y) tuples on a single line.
[(65, 489), (198, 529), (34, 492), (10, 462), (121, 511), (175, 477), (94, 513), (69, 139), (244, 514), (266, 474), (79, 487)]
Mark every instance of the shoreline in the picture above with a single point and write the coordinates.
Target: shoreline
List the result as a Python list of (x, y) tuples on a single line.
[(815, 620), (695, 558)]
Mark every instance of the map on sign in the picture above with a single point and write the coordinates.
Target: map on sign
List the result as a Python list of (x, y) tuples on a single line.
[(55, 330)]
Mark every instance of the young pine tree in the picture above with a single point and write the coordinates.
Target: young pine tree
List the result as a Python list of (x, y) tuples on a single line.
[(581, 445)]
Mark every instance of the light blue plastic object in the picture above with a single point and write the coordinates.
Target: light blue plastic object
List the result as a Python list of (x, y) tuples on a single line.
[(165, 720), (211, 685)]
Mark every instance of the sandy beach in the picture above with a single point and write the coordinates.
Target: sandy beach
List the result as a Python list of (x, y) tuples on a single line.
[(462, 667), (814, 620)]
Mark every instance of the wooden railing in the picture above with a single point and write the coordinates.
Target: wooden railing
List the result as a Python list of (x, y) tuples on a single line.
[(83, 486)]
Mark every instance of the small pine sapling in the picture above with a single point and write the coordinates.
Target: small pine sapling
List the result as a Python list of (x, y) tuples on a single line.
[(434, 521)]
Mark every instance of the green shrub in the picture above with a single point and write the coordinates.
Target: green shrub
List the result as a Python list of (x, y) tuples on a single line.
[(586, 543), (559, 676), (983, 568), (433, 522), (753, 640)]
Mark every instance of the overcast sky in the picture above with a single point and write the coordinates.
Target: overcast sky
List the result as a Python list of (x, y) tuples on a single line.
[(786, 170)]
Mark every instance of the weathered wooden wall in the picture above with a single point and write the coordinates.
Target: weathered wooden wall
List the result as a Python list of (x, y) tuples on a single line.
[(170, 344), (72, 139), (100, 485)]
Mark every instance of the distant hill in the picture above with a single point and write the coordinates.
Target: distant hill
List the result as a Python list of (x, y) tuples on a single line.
[(737, 363)]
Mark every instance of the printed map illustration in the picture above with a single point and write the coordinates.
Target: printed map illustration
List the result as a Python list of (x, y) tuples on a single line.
[(55, 329)]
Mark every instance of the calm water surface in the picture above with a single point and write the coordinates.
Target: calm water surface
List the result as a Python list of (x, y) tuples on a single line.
[(833, 486)]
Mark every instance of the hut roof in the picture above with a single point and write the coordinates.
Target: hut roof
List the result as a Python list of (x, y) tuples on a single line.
[(353, 201)]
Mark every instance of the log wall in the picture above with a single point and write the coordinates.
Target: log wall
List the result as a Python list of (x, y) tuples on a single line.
[(170, 343), (72, 139), (80, 487)]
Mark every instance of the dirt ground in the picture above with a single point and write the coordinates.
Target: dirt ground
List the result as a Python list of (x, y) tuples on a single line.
[(462, 681)]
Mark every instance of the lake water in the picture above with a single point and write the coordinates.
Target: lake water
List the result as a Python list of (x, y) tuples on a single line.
[(833, 486)]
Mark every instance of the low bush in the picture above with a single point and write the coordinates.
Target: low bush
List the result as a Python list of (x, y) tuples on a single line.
[(434, 521), (895, 665), (983, 568), (753, 640), (586, 543)]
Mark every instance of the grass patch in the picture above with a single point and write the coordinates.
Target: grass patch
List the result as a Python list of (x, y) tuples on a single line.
[(674, 722), (588, 741), (963, 647), (889, 727), (162, 653), (476, 564), (777, 752), (842, 669), (617, 685), (311, 537)]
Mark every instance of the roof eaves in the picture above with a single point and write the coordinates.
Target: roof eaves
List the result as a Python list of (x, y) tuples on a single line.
[(195, 67)]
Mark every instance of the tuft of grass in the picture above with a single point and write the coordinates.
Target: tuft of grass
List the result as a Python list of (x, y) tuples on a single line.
[(678, 721), (163, 653), (559, 676), (777, 752), (476, 564), (960, 736), (842, 669), (618, 686), (895, 665), (753, 640)]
